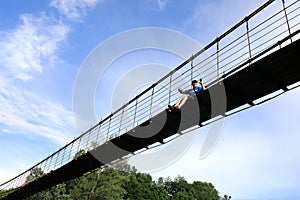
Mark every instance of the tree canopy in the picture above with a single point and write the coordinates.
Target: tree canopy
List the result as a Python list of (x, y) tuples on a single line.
[(122, 181)]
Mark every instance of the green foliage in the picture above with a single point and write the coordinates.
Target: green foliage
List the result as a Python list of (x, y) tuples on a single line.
[(79, 153), (180, 189), (3, 193), (141, 186), (34, 174), (80, 188), (120, 182), (57, 192), (124, 167), (110, 185), (203, 191)]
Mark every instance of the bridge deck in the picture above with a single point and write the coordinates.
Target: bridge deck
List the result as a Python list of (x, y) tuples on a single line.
[(272, 73)]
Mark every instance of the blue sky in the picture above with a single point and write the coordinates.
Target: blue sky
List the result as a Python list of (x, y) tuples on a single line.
[(43, 45)]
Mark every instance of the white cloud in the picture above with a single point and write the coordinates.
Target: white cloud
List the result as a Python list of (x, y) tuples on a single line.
[(6, 131), (162, 3), (74, 9), (27, 49), (25, 113), (24, 51), (36, 41)]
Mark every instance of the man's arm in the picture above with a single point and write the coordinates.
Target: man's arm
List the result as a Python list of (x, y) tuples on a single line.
[(201, 83), (181, 90), (184, 91)]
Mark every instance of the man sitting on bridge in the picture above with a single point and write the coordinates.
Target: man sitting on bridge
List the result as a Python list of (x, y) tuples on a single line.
[(191, 93)]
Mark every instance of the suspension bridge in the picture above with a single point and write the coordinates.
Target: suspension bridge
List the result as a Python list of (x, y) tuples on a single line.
[(254, 61)]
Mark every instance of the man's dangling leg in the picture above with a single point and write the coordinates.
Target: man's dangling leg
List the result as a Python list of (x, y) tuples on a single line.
[(181, 102)]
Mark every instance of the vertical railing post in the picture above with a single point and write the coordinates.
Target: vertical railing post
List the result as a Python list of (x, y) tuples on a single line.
[(98, 132), (62, 160), (11, 184), (170, 89), (151, 102), (248, 38), (23, 179), (218, 59), (121, 121), (17, 182), (287, 20), (42, 164), (87, 142), (135, 109), (57, 154), (108, 129), (78, 149), (70, 151), (49, 163), (192, 68)]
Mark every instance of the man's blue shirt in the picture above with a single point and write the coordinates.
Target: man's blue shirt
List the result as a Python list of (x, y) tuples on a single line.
[(193, 91)]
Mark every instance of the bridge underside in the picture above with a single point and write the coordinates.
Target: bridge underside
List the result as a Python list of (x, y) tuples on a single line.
[(272, 73)]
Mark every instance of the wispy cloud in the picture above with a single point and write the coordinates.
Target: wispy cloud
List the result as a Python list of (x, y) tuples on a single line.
[(24, 51), (74, 9), (162, 3), (6, 131), (35, 41), (25, 113)]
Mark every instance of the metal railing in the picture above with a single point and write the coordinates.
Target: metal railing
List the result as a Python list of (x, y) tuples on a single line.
[(264, 31)]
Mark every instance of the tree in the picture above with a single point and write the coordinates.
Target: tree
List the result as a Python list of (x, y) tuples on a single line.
[(203, 191), (160, 181), (110, 185), (181, 189), (56, 192), (141, 186), (168, 186), (79, 153), (121, 181), (80, 188), (34, 174), (3, 193), (124, 167)]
